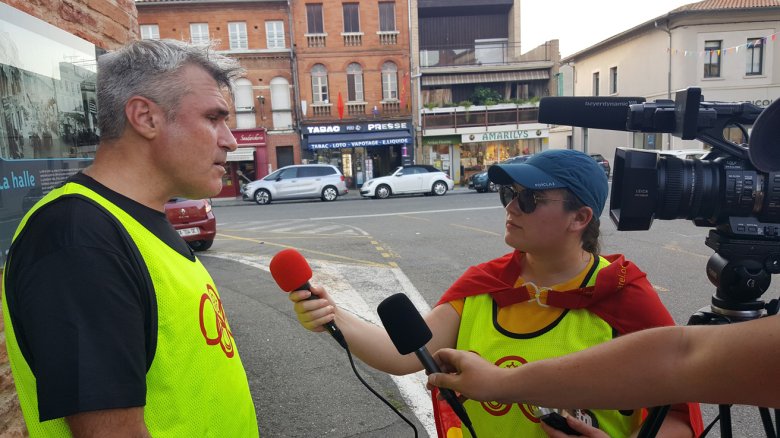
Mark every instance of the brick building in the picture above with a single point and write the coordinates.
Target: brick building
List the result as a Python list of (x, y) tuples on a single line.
[(256, 32), (352, 61), (47, 89)]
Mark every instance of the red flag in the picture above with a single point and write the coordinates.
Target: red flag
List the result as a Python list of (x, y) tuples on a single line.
[(404, 89), (340, 106)]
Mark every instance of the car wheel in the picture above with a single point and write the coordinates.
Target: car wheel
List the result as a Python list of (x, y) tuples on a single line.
[(493, 187), (382, 192), (200, 245), (439, 188), (329, 193), (262, 197)]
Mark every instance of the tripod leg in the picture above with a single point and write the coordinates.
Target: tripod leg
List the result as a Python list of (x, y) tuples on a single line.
[(725, 420), (653, 422), (766, 418)]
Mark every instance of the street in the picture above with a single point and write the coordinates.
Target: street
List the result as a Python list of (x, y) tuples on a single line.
[(364, 250)]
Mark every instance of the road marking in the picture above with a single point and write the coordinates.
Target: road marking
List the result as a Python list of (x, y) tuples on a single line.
[(303, 250), (401, 213), (477, 229), (359, 289)]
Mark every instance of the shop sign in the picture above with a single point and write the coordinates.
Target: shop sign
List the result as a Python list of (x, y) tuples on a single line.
[(522, 134), (361, 143), (442, 139), (357, 127), (250, 136)]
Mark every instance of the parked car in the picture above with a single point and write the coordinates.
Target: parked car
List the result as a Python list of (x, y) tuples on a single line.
[(193, 220), (479, 181), (299, 181), (409, 179), (603, 162)]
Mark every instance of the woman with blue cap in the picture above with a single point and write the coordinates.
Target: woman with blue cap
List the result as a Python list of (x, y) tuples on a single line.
[(553, 295)]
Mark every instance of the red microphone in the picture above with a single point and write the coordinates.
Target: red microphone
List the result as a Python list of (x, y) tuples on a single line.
[(291, 272)]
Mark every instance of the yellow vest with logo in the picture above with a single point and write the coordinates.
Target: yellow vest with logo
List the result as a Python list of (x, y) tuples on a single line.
[(196, 385), (575, 330)]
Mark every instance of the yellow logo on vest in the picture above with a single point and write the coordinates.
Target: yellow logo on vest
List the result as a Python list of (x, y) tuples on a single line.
[(216, 332)]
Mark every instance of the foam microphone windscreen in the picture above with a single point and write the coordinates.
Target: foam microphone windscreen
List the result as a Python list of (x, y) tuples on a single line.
[(599, 112), (290, 270), (404, 324)]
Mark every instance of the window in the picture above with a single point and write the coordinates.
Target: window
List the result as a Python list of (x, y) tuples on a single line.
[(386, 17), (319, 84), (389, 81), (237, 33), (596, 84), (281, 108), (613, 80), (314, 18), (150, 32), (199, 33), (354, 83), (712, 59), (274, 34), (244, 100), (755, 56), (351, 18)]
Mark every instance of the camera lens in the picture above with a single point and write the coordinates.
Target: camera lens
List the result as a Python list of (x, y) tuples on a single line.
[(687, 189)]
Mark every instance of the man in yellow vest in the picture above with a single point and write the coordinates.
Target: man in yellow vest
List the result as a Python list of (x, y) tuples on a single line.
[(114, 327)]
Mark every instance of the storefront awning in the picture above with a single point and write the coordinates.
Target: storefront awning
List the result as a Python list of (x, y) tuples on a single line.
[(242, 154), (357, 140), (476, 78)]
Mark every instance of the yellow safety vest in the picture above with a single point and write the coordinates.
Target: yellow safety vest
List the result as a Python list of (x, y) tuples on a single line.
[(575, 330), (196, 385)]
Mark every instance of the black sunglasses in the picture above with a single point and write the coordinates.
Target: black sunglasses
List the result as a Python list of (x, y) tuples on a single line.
[(527, 200)]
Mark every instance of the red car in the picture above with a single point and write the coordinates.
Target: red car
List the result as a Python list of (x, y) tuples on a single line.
[(194, 221)]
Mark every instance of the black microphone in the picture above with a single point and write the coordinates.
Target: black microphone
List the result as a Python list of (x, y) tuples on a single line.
[(410, 333), (599, 112)]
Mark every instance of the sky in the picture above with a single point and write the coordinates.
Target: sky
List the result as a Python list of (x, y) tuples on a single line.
[(579, 24)]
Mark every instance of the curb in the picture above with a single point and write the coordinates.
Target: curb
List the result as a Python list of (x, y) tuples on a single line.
[(353, 195)]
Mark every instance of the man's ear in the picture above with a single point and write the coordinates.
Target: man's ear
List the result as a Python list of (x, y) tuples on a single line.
[(582, 218), (143, 116)]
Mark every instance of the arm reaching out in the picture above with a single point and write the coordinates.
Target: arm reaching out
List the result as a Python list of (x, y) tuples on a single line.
[(710, 364)]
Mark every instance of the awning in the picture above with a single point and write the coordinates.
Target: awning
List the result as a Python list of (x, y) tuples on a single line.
[(357, 140), (476, 78), (241, 154)]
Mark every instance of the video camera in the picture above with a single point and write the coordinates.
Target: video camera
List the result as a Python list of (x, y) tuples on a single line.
[(734, 188)]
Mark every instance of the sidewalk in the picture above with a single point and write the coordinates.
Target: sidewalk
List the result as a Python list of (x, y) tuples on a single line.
[(354, 194)]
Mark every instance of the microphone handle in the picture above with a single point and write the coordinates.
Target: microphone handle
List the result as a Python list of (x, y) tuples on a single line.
[(329, 326), (448, 394)]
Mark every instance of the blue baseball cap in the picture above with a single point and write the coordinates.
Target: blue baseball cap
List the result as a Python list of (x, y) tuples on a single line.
[(558, 169)]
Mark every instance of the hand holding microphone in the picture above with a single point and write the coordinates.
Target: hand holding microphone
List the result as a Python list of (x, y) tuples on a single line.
[(410, 333), (291, 272)]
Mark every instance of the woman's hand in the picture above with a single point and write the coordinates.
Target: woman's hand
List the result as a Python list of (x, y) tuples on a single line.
[(315, 313)]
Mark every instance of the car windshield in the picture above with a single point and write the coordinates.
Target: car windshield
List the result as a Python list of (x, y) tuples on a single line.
[(395, 171), (273, 176)]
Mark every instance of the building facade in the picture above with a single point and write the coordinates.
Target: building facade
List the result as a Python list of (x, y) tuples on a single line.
[(256, 33), (476, 91), (729, 49), (352, 60)]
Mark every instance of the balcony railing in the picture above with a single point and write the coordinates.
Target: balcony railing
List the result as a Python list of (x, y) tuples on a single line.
[(315, 39), (356, 108), (391, 107), (388, 38), (477, 116), (352, 38), (320, 109), (484, 52)]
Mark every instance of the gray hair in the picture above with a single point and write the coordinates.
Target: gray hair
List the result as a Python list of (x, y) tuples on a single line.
[(151, 68)]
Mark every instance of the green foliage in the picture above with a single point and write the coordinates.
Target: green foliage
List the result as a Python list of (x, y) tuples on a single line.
[(465, 103), (485, 96)]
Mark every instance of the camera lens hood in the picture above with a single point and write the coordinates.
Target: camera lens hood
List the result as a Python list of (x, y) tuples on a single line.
[(764, 144)]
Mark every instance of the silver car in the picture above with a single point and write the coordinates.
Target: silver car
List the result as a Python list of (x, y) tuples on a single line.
[(300, 181)]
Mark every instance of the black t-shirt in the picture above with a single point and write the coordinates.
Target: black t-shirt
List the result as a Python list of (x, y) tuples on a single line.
[(82, 303)]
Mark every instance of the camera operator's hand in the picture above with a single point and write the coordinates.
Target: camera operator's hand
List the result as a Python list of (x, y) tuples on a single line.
[(465, 372), (580, 426)]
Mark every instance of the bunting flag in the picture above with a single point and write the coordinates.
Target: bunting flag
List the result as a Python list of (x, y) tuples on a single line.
[(755, 42)]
